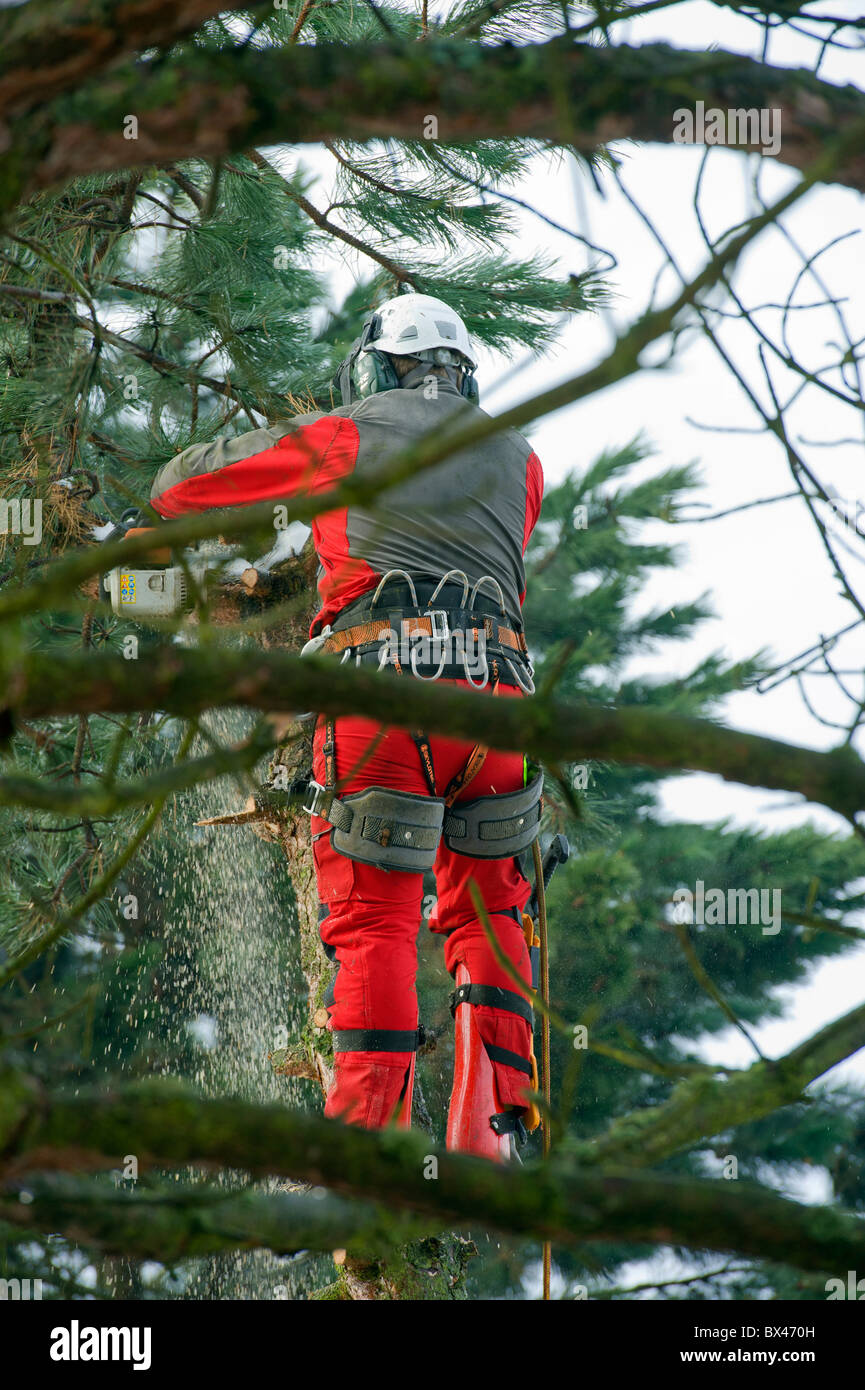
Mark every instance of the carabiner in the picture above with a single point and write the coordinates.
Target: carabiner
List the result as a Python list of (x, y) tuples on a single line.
[(488, 578), (461, 575), (384, 579), (485, 678), (526, 689), (414, 670)]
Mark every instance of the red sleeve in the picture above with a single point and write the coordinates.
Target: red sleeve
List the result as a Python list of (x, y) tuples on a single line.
[(305, 461), (534, 498), (534, 495)]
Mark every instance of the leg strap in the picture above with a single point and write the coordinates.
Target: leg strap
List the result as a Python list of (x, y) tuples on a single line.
[(379, 1040), (492, 997), (508, 1058), (509, 1122)]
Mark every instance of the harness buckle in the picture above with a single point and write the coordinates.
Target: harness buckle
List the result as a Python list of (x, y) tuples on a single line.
[(442, 632), (320, 798)]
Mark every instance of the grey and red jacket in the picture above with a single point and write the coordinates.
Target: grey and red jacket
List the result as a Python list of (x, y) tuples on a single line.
[(474, 512)]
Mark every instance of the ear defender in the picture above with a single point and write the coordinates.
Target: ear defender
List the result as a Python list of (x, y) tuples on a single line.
[(373, 372), (469, 388), (365, 371), (369, 369)]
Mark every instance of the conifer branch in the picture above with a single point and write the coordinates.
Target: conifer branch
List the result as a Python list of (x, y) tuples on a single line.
[(167, 1124), (185, 683), (211, 103)]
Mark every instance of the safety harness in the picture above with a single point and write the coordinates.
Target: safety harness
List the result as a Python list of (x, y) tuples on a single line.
[(462, 641), (401, 830), (382, 639)]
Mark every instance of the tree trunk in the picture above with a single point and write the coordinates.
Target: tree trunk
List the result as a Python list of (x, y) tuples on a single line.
[(432, 1268)]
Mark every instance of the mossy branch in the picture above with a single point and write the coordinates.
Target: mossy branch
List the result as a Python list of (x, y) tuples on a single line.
[(166, 1124), (703, 1106), (210, 103), (185, 682)]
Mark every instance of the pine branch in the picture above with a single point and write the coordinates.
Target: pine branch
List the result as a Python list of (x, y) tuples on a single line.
[(701, 1107), (169, 1124), (107, 798), (185, 682), (400, 274), (192, 1222), (211, 102), (621, 362)]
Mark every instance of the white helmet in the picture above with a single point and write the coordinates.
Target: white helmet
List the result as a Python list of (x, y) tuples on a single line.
[(412, 324)]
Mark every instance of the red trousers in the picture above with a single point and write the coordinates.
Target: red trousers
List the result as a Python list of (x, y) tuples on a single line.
[(370, 920)]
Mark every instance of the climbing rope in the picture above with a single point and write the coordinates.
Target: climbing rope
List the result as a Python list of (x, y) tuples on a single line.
[(545, 1036)]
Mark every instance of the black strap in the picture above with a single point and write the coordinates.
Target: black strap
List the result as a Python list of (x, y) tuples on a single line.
[(492, 997), (378, 1040), (509, 1122), (508, 1058)]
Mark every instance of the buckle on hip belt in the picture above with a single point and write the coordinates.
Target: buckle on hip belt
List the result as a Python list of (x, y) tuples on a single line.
[(320, 800), (442, 632)]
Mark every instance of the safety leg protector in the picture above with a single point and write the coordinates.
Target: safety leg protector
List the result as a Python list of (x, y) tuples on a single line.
[(478, 1123)]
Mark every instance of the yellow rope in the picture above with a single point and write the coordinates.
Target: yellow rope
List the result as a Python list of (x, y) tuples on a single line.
[(545, 1035)]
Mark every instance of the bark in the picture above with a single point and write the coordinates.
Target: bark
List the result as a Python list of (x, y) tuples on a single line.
[(186, 682), (170, 1124), (51, 48), (210, 104)]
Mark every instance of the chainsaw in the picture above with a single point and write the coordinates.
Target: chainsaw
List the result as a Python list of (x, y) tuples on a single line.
[(166, 583)]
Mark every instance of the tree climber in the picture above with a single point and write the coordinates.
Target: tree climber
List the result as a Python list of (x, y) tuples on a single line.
[(431, 572)]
